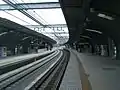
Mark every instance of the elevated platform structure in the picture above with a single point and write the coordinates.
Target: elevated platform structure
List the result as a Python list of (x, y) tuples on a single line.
[(10, 25), (93, 21), (13, 35)]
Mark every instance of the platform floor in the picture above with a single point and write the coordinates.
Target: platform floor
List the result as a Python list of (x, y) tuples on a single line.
[(11, 59), (71, 79), (91, 72)]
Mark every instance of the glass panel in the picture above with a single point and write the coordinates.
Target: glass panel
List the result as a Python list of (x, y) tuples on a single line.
[(17, 17), (33, 1), (46, 16), (50, 16), (2, 2)]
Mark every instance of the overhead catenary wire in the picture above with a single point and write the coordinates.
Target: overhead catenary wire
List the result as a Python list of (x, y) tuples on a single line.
[(44, 21), (15, 2), (40, 18), (17, 17)]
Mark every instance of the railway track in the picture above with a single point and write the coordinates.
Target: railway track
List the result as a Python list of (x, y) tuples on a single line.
[(38, 75), (9, 65)]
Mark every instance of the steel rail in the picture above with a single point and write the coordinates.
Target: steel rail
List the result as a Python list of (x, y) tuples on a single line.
[(14, 64), (53, 81), (16, 71), (20, 73)]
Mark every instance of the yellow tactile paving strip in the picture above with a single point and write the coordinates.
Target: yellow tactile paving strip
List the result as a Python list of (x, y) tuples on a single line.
[(84, 77)]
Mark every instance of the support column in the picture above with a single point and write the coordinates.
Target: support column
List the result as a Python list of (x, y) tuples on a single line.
[(110, 48), (25, 49), (118, 51), (92, 49), (12, 51)]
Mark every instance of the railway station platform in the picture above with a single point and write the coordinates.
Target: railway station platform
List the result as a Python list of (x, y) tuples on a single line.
[(84, 71), (91, 72)]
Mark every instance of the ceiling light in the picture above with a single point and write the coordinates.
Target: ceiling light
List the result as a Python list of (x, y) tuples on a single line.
[(3, 33), (105, 16), (25, 38), (94, 31), (85, 36)]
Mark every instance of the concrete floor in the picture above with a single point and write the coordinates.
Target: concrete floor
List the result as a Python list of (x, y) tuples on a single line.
[(103, 73), (71, 79)]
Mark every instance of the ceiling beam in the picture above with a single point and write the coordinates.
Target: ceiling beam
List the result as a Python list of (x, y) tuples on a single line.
[(96, 31), (23, 11), (47, 26), (65, 33), (26, 6)]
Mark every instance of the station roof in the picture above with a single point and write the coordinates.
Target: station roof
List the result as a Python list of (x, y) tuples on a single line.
[(36, 12), (17, 31), (91, 16)]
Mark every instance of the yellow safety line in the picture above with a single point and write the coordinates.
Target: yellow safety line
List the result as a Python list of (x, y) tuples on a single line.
[(84, 77)]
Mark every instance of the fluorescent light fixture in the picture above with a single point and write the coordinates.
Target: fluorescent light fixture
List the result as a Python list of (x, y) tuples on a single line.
[(11, 31), (83, 43), (25, 38), (94, 31), (105, 16), (3, 33), (85, 36)]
